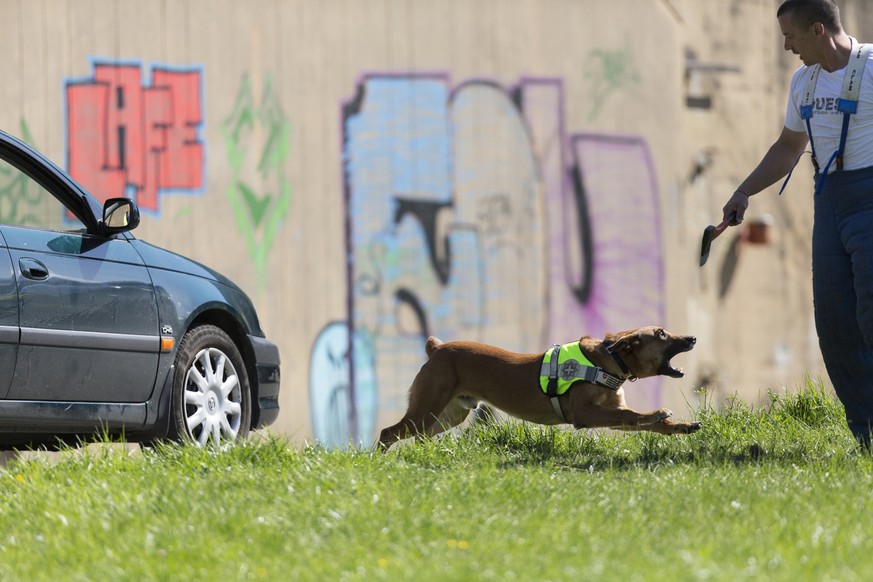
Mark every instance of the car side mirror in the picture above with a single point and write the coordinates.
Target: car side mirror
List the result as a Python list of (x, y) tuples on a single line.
[(119, 215)]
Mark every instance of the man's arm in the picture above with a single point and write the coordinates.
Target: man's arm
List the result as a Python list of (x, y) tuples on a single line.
[(776, 163)]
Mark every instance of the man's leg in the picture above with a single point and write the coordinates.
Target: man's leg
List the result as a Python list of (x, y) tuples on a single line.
[(843, 298)]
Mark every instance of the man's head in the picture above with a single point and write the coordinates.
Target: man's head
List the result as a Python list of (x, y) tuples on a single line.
[(806, 13), (806, 27)]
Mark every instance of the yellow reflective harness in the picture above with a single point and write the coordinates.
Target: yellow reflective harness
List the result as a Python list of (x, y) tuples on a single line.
[(564, 365)]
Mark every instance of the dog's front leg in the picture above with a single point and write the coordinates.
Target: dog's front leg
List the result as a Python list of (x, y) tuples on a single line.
[(597, 416), (667, 426)]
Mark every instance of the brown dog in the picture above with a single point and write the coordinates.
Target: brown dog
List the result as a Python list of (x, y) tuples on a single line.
[(460, 374)]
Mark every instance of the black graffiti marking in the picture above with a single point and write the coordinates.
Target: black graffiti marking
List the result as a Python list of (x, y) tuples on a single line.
[(426, 211), (582, 289), (338, 361), (408, 299)]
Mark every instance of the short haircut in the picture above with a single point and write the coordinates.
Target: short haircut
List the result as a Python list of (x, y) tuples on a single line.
[(808, 12)]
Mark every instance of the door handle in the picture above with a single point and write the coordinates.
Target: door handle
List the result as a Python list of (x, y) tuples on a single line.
[(33, 269)]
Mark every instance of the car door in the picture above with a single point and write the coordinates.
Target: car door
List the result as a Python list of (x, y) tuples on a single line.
[(87, 310), (8, 319)]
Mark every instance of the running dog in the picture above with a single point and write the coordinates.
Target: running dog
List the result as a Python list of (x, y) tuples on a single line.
[(578, 383)]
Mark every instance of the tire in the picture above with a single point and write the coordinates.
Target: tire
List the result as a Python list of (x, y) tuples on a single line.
[(212, 398)]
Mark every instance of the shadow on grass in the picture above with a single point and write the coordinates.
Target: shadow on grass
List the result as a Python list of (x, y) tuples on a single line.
[(806, 428)]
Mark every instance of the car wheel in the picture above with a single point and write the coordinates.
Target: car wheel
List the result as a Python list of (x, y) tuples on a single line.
[(211, 393)]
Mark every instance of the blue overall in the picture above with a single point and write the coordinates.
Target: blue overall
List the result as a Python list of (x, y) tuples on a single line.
[(842, 261), (842, 274)]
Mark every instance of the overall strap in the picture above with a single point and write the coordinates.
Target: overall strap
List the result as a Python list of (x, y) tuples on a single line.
[(806, 107), (848, 101)]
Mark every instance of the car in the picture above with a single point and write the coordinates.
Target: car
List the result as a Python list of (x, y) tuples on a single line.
[(102, 333)]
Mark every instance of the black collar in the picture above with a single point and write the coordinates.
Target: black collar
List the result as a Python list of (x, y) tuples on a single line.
[(624, 369)]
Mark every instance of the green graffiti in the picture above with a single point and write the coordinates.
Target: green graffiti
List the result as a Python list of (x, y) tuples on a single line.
[(21, 200), (260, 194), (609, 71), (257, 206)]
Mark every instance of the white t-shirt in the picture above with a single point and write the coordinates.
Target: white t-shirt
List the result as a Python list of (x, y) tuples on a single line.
[(827, 120)]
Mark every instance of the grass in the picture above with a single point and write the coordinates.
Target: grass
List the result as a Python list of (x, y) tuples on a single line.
[(776, 492)]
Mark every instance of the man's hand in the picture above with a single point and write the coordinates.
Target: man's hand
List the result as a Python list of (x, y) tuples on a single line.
[(735, 209)]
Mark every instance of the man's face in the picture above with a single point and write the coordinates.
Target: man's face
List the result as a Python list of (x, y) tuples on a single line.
[(801, 40)]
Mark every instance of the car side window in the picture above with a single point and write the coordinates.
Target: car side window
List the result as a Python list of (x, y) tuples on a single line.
[(23, 202)]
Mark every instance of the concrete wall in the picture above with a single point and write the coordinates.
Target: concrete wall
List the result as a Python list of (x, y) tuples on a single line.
[(518, 172)]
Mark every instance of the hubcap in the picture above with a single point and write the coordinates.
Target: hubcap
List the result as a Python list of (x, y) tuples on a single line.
[(213, 398)]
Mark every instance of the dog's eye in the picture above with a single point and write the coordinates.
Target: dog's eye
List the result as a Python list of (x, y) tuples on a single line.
[(662, 334)]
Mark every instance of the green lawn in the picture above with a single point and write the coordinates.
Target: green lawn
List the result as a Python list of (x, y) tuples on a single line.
[(779, 492)]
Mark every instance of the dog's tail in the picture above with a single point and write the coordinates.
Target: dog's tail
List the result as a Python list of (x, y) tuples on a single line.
[(431, 345)]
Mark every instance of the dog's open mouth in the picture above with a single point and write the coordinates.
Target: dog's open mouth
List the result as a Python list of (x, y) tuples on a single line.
[(667, 369)]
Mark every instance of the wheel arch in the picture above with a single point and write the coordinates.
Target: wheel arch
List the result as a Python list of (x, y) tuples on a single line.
[(230, 325)]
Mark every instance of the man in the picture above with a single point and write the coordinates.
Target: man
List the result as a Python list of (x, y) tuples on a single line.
[(842, 238)]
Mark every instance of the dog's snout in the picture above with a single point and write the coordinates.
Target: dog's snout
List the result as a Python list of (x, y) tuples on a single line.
[(687, 342)]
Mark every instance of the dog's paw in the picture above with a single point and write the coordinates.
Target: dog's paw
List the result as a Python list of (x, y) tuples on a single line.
[(667, 426), (684, 427)]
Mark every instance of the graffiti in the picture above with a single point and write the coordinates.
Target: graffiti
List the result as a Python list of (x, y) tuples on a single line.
[(126, 138), (609, 71), (471, 214), (256, 138), (494, 213), (333, 423), (21, 200)]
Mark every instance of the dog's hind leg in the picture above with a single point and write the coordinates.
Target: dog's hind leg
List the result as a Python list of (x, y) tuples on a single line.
[(453, 414), (414, 425), (431, 392), (396, 432)]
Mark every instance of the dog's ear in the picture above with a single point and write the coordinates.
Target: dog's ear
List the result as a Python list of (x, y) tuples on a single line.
[(625, 342)]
